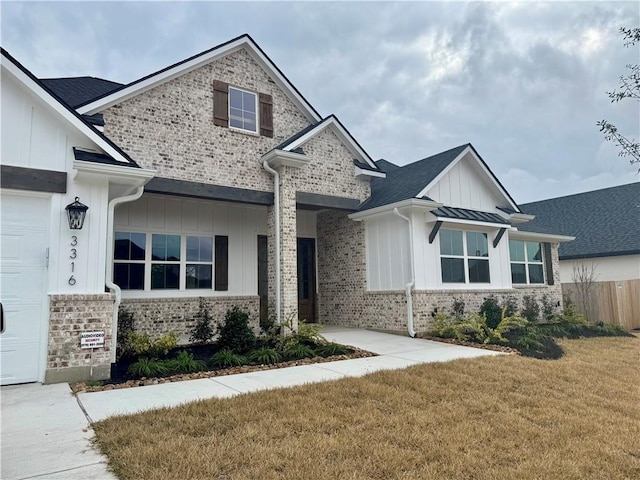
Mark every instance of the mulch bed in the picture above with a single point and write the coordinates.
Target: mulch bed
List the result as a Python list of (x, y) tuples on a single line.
[(82, 387), (497, 348)]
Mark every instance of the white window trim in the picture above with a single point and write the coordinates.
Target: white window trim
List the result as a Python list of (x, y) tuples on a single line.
[(526, 263), (148, 292), (257, 105), (465, 257)]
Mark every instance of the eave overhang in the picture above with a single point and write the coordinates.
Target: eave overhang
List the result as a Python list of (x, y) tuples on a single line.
[(416, 203), (280, 158), (543, 237)]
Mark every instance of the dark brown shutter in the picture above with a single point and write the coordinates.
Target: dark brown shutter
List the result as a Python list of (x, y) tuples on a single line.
[(266, 115), (222, 263), (548, 262), (220, 103)]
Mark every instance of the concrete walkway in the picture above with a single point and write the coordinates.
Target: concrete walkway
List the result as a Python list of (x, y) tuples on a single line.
[(45, 433), (394, 352)]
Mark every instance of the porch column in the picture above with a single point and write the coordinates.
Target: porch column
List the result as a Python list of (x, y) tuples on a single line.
[(288, 250)]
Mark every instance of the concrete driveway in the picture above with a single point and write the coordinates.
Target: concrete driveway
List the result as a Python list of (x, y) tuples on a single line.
[(46, 435), (46, 431)]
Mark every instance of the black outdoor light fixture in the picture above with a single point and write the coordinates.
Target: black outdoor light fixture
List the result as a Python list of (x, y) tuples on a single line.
[(76, 212)]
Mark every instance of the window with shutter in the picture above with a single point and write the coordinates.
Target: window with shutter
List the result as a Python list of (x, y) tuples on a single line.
[(266, 115), (221, 263), (220, 103), (242, 110)]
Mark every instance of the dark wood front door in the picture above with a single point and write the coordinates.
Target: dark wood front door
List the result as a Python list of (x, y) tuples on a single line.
[(307, 279)]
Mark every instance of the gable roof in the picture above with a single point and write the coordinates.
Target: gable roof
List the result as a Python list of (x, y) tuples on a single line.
[(415, 179), (605, 222), (307, 133), (385, 165), (118, 156), (197, 61)]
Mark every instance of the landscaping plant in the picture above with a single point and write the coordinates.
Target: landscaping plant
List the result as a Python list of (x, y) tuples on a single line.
[(264, 356), (226, 358), (235, 334), (491, 311), (203, 330), (146, 367), (330, 349), (185, 363)]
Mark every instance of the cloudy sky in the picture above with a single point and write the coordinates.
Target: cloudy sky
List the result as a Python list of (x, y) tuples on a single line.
[(525, 82)]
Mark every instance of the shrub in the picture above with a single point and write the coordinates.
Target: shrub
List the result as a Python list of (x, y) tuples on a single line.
[(548, 308), (491, 311), (235, 333), (126, 326), (458, 307), (265, 356), (202, 331), (162, 345), (296, 351), (330, 349), (471, 328), (146, 367), (138, 343), (226, 358), (510, 306), (530, 308), (309, 332), (185, 363), (442, 326)]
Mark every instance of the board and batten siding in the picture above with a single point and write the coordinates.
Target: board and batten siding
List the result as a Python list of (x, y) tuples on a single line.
[(463, 186), (387, 247), (186, 216)]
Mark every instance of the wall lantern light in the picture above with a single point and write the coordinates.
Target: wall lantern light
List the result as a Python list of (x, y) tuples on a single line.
[(76, 212)]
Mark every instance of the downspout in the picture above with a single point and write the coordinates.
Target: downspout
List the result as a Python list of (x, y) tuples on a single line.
[(115, 289), (276, 206), (409, 286)]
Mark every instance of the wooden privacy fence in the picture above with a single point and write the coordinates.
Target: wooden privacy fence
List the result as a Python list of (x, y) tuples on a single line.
[(616, 302)]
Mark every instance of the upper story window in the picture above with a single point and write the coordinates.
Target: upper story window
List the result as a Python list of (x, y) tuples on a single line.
[(526, 262), (243, 107), (464, 257)]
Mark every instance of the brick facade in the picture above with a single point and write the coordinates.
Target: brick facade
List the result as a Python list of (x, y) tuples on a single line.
[(158, 316), (69, 316)]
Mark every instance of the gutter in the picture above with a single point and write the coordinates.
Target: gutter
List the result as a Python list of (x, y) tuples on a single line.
[(115, 289), (276, 206), (409, 286)]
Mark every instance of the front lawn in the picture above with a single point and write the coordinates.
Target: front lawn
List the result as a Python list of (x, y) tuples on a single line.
[(485, 418)]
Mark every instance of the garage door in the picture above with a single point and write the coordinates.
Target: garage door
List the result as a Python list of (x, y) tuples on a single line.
[(24, 236)]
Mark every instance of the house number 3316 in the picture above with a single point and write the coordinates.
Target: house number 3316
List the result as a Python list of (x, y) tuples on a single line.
[(73, 255)]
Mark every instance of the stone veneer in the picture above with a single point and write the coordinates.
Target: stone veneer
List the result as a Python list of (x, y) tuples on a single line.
[(157, 316), (69, 316), (343, 299)]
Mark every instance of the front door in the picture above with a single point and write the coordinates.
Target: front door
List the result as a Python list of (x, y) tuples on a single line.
[(307, 279)]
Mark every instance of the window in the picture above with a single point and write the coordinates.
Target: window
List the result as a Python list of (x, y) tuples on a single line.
[(526, 262), (170, 262), (128, 258), (464, 257), (243, 107)]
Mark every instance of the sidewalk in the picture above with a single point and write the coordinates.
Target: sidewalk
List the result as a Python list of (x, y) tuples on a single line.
[(394, 352)]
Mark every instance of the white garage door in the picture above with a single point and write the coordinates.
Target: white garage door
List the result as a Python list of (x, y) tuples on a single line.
[(23, 242)]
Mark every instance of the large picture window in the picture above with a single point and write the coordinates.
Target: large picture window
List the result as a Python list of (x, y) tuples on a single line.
[(464, 257), (526, 262), (159, 261), (243, 110)]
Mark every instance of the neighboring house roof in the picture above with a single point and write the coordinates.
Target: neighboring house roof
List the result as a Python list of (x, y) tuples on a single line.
[(117, 155), (75, 91), (197, 61), (605, 222), (294, 142)]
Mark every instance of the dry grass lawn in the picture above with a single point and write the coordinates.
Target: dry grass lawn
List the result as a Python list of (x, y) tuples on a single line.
[(504, 417)]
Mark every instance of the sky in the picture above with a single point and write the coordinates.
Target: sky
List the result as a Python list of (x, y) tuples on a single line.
[(524, 82)]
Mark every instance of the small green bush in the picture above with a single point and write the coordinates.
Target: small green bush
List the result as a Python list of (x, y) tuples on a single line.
[(138, 343), (297, 351), (203, 330), (235, 333), (442, 326), (126, 326), (330, 349), (146, 367), (530, 308), (471, 328), (491, 311), (265, 356), (548, 308), (510, 306), (185, 363), (226, 358), (458, 307), (162, 345)]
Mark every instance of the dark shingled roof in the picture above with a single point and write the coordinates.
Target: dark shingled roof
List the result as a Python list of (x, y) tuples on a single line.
[(385, 165), (407, 181), (96, 157), (605, 222), (75, 91), (466, 214)]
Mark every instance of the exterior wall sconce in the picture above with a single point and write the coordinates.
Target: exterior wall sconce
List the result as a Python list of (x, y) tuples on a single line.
[(76, 212)]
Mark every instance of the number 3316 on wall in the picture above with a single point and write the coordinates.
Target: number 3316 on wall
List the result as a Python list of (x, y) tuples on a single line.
[(73, 254)]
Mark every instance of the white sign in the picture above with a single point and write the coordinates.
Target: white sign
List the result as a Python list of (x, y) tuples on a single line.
[(92, 340)]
